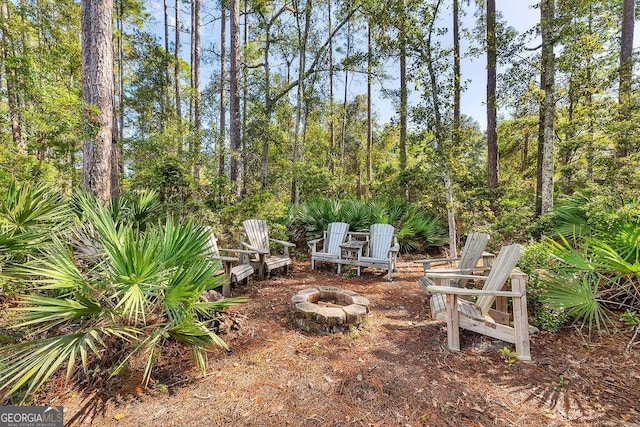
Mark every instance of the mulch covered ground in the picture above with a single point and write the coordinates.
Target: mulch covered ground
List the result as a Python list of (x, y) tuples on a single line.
[(395, 371)]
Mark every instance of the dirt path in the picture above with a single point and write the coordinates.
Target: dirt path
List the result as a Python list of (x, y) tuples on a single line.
[(396, 371)]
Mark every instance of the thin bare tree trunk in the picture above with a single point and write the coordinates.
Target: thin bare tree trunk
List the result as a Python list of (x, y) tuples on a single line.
[(176, 74), (369, 114), (332, 133), (223, 84), (121, 78), (456, 72), (492, 133), (303, 36), (13, 104), (548, 103), (439, 136), (344, 103), (234, 132), (98, 92), (197, 107), (245, 97)]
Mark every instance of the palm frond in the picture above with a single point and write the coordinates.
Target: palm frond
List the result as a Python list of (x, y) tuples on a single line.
[(31, 364), (579, 296)]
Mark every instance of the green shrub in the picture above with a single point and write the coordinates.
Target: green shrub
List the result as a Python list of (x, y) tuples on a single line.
[(415, 228), (117, 293)]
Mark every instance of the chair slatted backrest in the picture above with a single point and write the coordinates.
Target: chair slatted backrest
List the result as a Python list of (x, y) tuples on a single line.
[(381, 240), (471, 253), (334, 236), (499, 274), (212, 244), (473, 250), (257, 233)]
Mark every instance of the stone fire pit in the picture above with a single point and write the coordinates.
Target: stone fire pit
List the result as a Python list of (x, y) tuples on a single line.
[(326, 309)]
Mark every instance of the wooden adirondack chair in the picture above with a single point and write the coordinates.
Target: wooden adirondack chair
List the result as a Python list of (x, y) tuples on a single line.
[(332, 238), (467, 262), (236, 268), (479, 316), (383, 249), (264, 261)]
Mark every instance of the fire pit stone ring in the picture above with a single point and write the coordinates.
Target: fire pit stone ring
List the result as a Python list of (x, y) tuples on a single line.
[(328, 309)]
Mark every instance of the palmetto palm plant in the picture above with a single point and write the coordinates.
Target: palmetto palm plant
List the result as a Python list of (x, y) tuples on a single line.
[(595, 273), (414, 227), (130, 296)]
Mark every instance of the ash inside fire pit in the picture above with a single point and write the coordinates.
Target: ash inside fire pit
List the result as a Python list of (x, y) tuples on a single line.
[(327, 309)]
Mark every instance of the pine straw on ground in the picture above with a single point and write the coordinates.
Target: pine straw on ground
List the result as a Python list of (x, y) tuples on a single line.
[(395, 371)]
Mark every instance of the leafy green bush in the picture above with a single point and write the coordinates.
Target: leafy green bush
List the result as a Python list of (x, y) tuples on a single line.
[(91, 310)]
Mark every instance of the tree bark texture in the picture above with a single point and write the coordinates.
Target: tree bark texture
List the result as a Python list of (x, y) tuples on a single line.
[(176, 72), (223, 86), (98, 95), (369, 96), (456, 72), (12, 99), (332, 134), (492, 133), (234, 89), (197, 105), (548, 106), (626, 77), (439, 135), (403, 96)]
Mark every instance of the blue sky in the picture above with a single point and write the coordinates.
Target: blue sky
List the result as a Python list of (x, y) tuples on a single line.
[(517, 13)]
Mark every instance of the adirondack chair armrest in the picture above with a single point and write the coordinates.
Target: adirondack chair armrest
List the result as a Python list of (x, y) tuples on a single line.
[(455, 276), (395, 248), (450, 290), (313, 244), (259, 251), (457, 271), (432, 260), (226, 258), (283, 243), (238, 251)]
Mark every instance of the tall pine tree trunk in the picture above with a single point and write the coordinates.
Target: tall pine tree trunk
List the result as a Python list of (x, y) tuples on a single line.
[(12, 99), (369, 112), (547, 111), (245, 97), (626, 77), (176, 75), (439, 138), (456, 72), (197, 106), (303, 36), (332, 133), (403, 95), (234, 89), (492, 134), (223, 85), (98, 94), (343, 135)]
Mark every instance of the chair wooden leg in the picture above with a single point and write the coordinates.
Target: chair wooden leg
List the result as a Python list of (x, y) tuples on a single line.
[(226, 289), (453, 323), (520, 318)]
